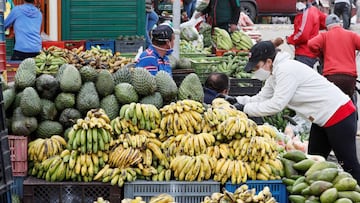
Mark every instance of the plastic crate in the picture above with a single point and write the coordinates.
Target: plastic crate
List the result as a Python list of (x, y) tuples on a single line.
[(277, 188), (128, 46), (37, 190), (104, 44), (204, 68), (3, 126), (11, 68), (17, 186), (182, 191), (10, 42), (244, 86), (47, 44), (5, 197), (6, 178), (18, 154), (165, 7), (180, 74), (71, 44)]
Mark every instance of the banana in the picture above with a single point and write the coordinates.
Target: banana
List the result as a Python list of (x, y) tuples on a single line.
[(101, 172), (60, 139)]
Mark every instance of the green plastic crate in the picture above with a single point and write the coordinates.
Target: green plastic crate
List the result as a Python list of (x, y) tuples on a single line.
[(204, 68)]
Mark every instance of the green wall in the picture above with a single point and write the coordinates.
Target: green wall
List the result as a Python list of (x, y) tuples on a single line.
[(107, 19)]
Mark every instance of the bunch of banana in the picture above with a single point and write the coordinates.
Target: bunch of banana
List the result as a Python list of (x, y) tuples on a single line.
[(136, 141), (236, 127), (255, 149), (241, 40), (162, 174), (40, 169), (136, 200), (184, 116), (191, 168), (101, 200), (121, 125), (222, 150), (85, 166), (116, 176), (144, 116), (221, 103), (237, 171), (266, 131), (155, 148), (242, 194), (49, 61), (91, 134), (124, 157), (40, 149), (162, 198), (188, 144)]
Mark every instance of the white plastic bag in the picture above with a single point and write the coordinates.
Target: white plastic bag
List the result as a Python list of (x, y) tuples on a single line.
[(201, 4), (188, 30)]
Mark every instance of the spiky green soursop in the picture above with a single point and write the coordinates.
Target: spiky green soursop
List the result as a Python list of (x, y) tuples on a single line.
[(70, 81), (191, 88), (88, 74), (30, 102), (126, 93), (104, 83), (155, 99), (166, 86), (143, 82), (87, 98), (26, 74), (122, 75), (111, 106)]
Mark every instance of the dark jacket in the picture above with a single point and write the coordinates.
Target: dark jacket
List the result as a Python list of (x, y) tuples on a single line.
[(223, 12), (209, 95)]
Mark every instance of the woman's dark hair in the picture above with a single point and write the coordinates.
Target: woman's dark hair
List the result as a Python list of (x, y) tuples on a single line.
[(217, 81), (29, 1)]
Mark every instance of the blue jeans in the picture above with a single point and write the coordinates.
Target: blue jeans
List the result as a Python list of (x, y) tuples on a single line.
[(190, 8), (343, 10), (307, 60), (151, 19)]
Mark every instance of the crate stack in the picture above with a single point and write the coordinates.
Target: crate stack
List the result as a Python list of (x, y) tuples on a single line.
[(2, 38)]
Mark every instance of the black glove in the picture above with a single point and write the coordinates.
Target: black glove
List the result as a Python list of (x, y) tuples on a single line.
[(239, 107), (231, 100)]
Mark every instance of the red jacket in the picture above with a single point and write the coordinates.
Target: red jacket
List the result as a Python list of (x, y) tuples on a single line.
[(306, 26), (338, 48)]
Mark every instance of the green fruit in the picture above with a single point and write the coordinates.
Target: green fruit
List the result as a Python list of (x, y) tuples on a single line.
[(295, 155), (352, 195), (319, 186), (327, 174), (346, 184), (297, 198), (343, 200), (329, 196), (304, 165), (319, 166), (297, 189)]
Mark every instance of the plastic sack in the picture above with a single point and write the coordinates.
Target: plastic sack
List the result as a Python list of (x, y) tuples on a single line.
[(188, 30), (201, 5)]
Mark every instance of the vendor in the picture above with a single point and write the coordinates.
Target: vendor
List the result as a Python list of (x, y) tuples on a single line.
[(288, 83), (155, 57), (216, 83)]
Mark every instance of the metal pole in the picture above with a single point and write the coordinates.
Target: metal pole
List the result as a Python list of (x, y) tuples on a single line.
[(176, 27)]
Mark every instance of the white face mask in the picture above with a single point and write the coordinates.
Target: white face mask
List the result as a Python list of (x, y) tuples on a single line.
[(261, 74), (300, 6)]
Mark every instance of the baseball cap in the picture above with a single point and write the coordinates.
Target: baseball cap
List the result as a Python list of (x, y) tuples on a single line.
[(332, 19), (259, 52), (162, 33)]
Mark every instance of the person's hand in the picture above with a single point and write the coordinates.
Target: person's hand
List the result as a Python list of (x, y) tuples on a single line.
[(231, 100), (233, 27), (239, 107)]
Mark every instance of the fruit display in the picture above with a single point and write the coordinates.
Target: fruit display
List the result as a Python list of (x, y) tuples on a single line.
[(241, 40), (41, 149), (242, 194), (323, 181)]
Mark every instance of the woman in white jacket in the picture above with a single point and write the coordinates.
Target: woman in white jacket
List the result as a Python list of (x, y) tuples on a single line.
[(292, 84)]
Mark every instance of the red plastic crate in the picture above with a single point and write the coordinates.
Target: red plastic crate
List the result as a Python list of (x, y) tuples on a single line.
[(11, 68), (71, 44), (18, 154), (47, 44)]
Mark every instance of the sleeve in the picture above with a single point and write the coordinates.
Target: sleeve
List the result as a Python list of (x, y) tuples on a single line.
[(265, 93), (322, 19), (284, 89), (301, 30), (10, 19), (356, 40), (236, 11), (316, 44), (148, 62)]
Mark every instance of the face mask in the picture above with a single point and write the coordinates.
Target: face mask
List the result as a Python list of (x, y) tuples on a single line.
[(300, 6), (261, 74)]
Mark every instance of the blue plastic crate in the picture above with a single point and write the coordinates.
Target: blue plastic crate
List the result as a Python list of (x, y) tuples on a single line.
[(104, 44), (182, 191), (277, 188), (17, 187), (6, 197)]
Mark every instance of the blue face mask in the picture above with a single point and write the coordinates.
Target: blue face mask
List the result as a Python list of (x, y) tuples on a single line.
[(170, 51)]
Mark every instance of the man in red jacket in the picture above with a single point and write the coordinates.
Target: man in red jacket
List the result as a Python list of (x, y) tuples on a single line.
[(307, 23), (338, 47)]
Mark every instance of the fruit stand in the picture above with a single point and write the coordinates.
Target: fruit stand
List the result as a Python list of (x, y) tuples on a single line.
[(84, 125)]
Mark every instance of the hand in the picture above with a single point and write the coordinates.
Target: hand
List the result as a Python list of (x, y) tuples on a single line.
[(239, 107), (233, 27), (231, 100)]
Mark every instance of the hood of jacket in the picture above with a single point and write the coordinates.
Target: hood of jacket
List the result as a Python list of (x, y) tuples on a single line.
[(30, 10), (281, 57)]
